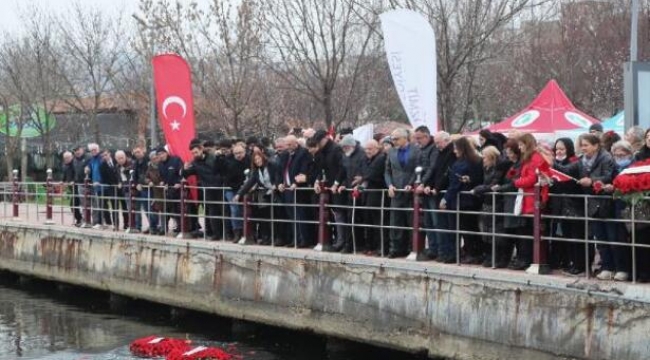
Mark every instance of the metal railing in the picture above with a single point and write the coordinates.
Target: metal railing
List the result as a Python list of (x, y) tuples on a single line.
[(299, 217)]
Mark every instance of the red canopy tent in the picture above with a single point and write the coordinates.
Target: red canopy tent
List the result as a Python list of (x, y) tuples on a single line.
[(550, 112)]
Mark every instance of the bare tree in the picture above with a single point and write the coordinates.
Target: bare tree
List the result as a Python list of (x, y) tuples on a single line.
[(33, 87), (319, 49), (13, 126), (92, 45)]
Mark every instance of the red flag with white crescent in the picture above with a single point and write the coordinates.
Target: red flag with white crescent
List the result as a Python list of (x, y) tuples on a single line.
[(173, 83), (560, 176)]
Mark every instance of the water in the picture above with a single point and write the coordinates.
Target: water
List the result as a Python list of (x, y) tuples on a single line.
[(43, 320)]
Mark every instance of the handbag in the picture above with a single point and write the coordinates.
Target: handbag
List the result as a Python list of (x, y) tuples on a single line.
[(519, 202)]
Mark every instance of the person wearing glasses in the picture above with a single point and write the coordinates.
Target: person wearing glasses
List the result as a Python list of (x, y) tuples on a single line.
[(399, 174)]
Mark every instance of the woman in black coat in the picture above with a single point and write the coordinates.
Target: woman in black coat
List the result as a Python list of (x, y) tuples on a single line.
[(260, 184), (596, 165), (566, 255), (465, 175), (514, 225), (494, 172)]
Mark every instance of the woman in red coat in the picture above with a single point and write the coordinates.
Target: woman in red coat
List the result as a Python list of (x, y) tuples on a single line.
[(532, 164)]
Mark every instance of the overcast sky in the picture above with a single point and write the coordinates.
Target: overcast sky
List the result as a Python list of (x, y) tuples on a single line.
[(11, 10)]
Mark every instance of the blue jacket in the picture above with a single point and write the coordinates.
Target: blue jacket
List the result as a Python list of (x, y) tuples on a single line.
[(94, 163), (170, 170), (459, 169)]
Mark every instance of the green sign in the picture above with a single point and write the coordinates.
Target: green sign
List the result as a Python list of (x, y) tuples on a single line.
[(33, 123)]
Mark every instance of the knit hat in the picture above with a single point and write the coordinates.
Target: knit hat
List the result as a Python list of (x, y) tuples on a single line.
[(596, 127), (348, 140)]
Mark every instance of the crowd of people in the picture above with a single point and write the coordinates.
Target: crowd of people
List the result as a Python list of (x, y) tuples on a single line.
[(462, 182)]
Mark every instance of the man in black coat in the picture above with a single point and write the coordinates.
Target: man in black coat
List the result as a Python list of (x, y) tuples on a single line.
[(372, 185), (110, 180), (78, 166), (69, 180), (204, 167), (330, 174), (435, 185), (142, 194), (170, 173), (428, 156), (352, 162), (231, 169), (294, 168)]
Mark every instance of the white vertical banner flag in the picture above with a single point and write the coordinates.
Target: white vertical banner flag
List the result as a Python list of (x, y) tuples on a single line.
[(364, 133), (410, 45)]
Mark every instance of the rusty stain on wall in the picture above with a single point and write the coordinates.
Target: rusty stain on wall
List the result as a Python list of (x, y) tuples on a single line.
[(7, 243)]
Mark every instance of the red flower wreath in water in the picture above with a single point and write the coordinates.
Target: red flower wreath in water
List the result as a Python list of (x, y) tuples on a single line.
[(154, 346)]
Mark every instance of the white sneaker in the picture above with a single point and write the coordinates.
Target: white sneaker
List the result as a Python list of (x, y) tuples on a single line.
[(621, 276), (98, 226), (605, 275)]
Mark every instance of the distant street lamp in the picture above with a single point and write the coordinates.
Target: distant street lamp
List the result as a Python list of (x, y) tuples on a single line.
[(152, 91)]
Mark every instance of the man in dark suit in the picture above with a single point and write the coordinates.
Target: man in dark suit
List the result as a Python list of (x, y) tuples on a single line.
[(399, 176), (329, 170), (294, 164), (435, 186), (427, 160), (372, 181)]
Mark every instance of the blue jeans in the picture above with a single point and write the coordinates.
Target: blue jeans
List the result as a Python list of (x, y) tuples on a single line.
[(446, 240), (143, 202), (296, 214), (615, 258), (97, 204), (236, 211)]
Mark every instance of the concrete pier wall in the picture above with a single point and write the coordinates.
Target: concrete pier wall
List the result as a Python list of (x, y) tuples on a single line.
[(444, 310)]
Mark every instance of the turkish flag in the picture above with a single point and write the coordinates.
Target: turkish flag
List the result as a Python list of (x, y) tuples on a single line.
[(560, 176), (173, 83)]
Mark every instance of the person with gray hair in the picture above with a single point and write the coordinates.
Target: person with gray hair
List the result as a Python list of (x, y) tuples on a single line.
[(616, 260), (399, 174), (352, 162), (372, 179), (434, 186), (635, 136), (94, 174), (124, 167)]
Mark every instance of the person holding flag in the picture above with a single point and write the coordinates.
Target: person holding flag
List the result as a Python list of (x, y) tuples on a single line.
[(594, 170)]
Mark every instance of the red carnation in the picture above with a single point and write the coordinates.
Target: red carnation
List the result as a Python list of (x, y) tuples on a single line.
[(598, 187), (356, 193)]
